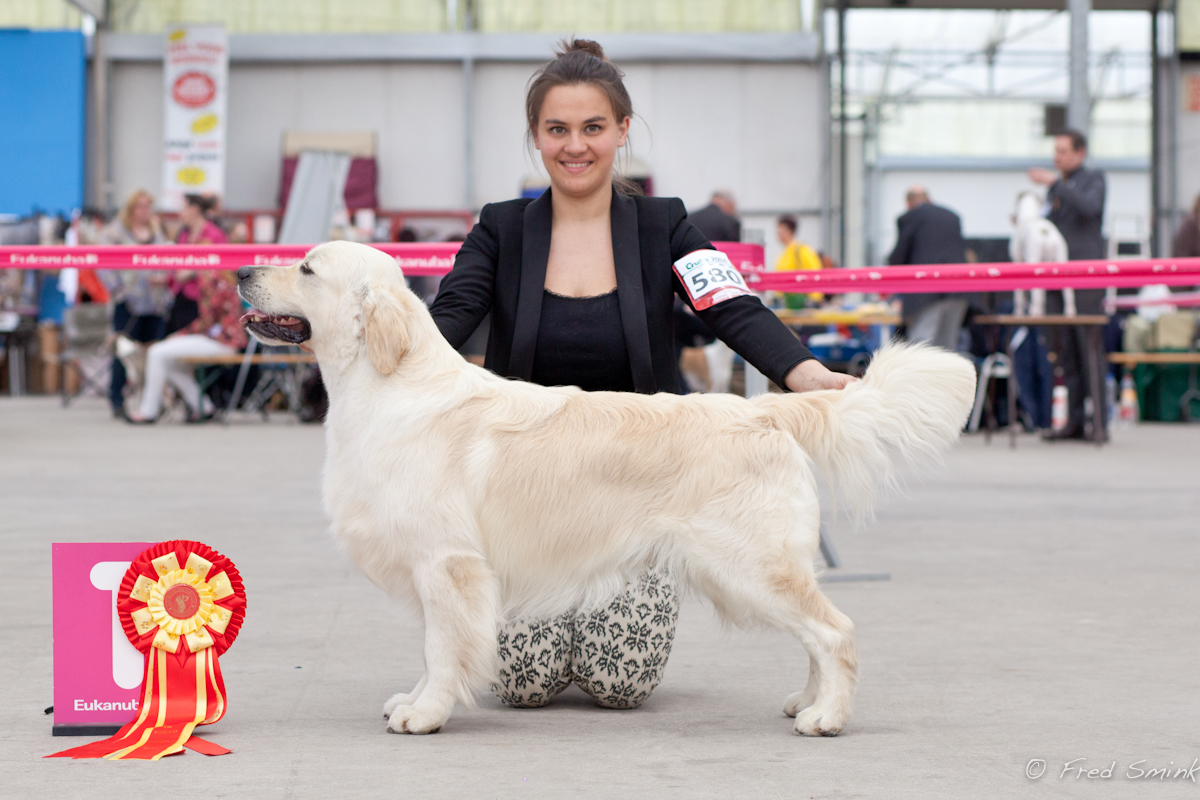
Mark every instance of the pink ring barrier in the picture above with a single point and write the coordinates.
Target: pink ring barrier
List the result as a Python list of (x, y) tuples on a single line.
[(438, 259), (984, 277), (435, 258)]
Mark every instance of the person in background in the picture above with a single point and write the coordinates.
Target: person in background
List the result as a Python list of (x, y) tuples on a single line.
[(718, 220), (141, 298), (925, 234), (1187, 239), (1076, 207), (197, 228), (217, 330), (796, 256)]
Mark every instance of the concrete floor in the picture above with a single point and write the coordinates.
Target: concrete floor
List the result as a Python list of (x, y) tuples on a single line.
[(1043, 605)]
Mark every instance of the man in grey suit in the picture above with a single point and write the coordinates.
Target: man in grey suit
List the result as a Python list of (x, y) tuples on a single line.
[(1076, 206), (929, 234), (718, 220)]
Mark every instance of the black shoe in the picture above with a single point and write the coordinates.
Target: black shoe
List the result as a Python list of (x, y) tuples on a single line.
[(198, 419), (1075, 434)]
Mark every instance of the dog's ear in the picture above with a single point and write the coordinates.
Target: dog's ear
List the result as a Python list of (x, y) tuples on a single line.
[(385, 329)]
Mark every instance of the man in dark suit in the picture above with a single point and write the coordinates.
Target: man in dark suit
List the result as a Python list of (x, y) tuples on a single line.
[(718, 220), (926, 234), (1076, 200)]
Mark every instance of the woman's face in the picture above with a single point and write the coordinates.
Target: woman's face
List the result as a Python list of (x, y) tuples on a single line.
[(143, 211), (191, 214), (578, 137), (784, 233)]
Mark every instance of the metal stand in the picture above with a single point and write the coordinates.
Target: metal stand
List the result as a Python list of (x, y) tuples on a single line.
[(833, 561)]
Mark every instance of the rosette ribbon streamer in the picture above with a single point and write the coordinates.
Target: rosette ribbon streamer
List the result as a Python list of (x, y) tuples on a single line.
[(181, 604)]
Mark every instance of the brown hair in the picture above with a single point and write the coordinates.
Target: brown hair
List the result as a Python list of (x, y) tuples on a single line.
[(205, 202), (576, 62), (1078, 140), (788, 221)]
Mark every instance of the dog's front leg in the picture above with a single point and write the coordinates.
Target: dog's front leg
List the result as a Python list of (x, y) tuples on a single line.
[(459, 598), (403, 699)]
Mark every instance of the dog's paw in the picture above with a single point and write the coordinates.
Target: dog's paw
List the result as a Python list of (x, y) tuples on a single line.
[(796, 702), (410, 719), (395, 701), (817, 721)]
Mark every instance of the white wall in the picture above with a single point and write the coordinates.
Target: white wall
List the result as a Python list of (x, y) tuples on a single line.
[(985, 200), (752, 128)]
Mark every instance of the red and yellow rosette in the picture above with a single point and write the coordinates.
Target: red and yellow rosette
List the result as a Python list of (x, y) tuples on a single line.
[(181, 603)]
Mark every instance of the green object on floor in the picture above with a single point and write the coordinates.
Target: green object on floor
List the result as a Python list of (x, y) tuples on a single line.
[(1160, 388)]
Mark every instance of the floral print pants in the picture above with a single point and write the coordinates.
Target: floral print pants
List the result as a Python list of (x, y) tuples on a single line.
[(616, 653)]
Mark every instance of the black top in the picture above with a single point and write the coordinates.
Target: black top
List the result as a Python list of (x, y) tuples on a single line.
[(501, 268), (1077, 210), (928, 234), (716, 224), (580, 343)]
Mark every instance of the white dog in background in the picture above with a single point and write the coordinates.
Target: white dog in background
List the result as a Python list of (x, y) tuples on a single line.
[(1036, 241), (478, 498)]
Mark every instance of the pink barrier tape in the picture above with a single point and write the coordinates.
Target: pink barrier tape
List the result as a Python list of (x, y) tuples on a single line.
[(413, 258), (984, 277), (438, 259), (1179, 300)]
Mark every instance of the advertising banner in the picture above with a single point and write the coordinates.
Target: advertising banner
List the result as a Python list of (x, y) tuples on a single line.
[(195, 80), (97, 672)]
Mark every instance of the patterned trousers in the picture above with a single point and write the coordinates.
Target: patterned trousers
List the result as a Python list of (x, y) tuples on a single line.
[(616, 653)]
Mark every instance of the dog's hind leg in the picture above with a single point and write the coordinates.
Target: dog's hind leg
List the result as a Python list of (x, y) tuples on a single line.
[(403, 699), (459, 596), (782, 591)]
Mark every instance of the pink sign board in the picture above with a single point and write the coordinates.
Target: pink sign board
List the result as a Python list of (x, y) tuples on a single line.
[(97, 672)]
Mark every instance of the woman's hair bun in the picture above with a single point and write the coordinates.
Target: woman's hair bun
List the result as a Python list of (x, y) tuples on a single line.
[(581, 46)]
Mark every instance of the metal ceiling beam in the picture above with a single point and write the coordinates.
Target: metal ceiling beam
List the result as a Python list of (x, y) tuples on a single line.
[(998, 5)]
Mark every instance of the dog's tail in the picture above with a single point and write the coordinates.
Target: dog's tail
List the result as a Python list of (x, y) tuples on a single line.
[(909, 407)]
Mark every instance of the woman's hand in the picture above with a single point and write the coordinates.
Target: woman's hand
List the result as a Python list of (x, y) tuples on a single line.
[(810, 375)]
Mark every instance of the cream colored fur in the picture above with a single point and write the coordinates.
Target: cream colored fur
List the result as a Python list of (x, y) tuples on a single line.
[(479, 498)]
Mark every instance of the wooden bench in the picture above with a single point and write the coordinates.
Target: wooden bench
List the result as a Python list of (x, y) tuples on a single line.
[(244, 361), (238, 359), (1133, 359), (1191, 359)]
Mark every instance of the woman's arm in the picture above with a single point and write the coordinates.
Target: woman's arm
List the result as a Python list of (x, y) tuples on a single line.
[(465, 295), (749, 327)]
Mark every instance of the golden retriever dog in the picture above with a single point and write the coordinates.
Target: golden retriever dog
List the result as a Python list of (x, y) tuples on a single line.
[(479, 498)]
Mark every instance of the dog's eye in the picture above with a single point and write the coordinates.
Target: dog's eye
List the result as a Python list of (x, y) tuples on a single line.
[(305, 269)]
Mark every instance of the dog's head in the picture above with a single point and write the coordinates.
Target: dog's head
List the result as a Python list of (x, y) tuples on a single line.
[(1029, 206), (340, 296)]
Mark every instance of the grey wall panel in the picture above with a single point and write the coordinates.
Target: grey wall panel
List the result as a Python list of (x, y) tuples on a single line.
[(501, 159), (137, 129), (752, 128), (1189, 143)]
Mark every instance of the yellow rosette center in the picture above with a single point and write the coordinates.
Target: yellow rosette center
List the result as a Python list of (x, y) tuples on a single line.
[(180, 603)]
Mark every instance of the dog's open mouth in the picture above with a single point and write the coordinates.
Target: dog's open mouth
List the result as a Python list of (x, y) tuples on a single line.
[(279, 327)]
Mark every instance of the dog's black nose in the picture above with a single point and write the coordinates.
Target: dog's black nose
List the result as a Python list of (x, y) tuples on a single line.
[(244, 273)]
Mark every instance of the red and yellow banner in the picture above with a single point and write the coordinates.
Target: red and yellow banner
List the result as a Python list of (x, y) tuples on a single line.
[(181, 604)]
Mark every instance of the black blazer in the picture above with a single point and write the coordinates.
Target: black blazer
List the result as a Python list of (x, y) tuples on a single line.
[(1077, 210), (501, 268), (928, 234), (716, 224)]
